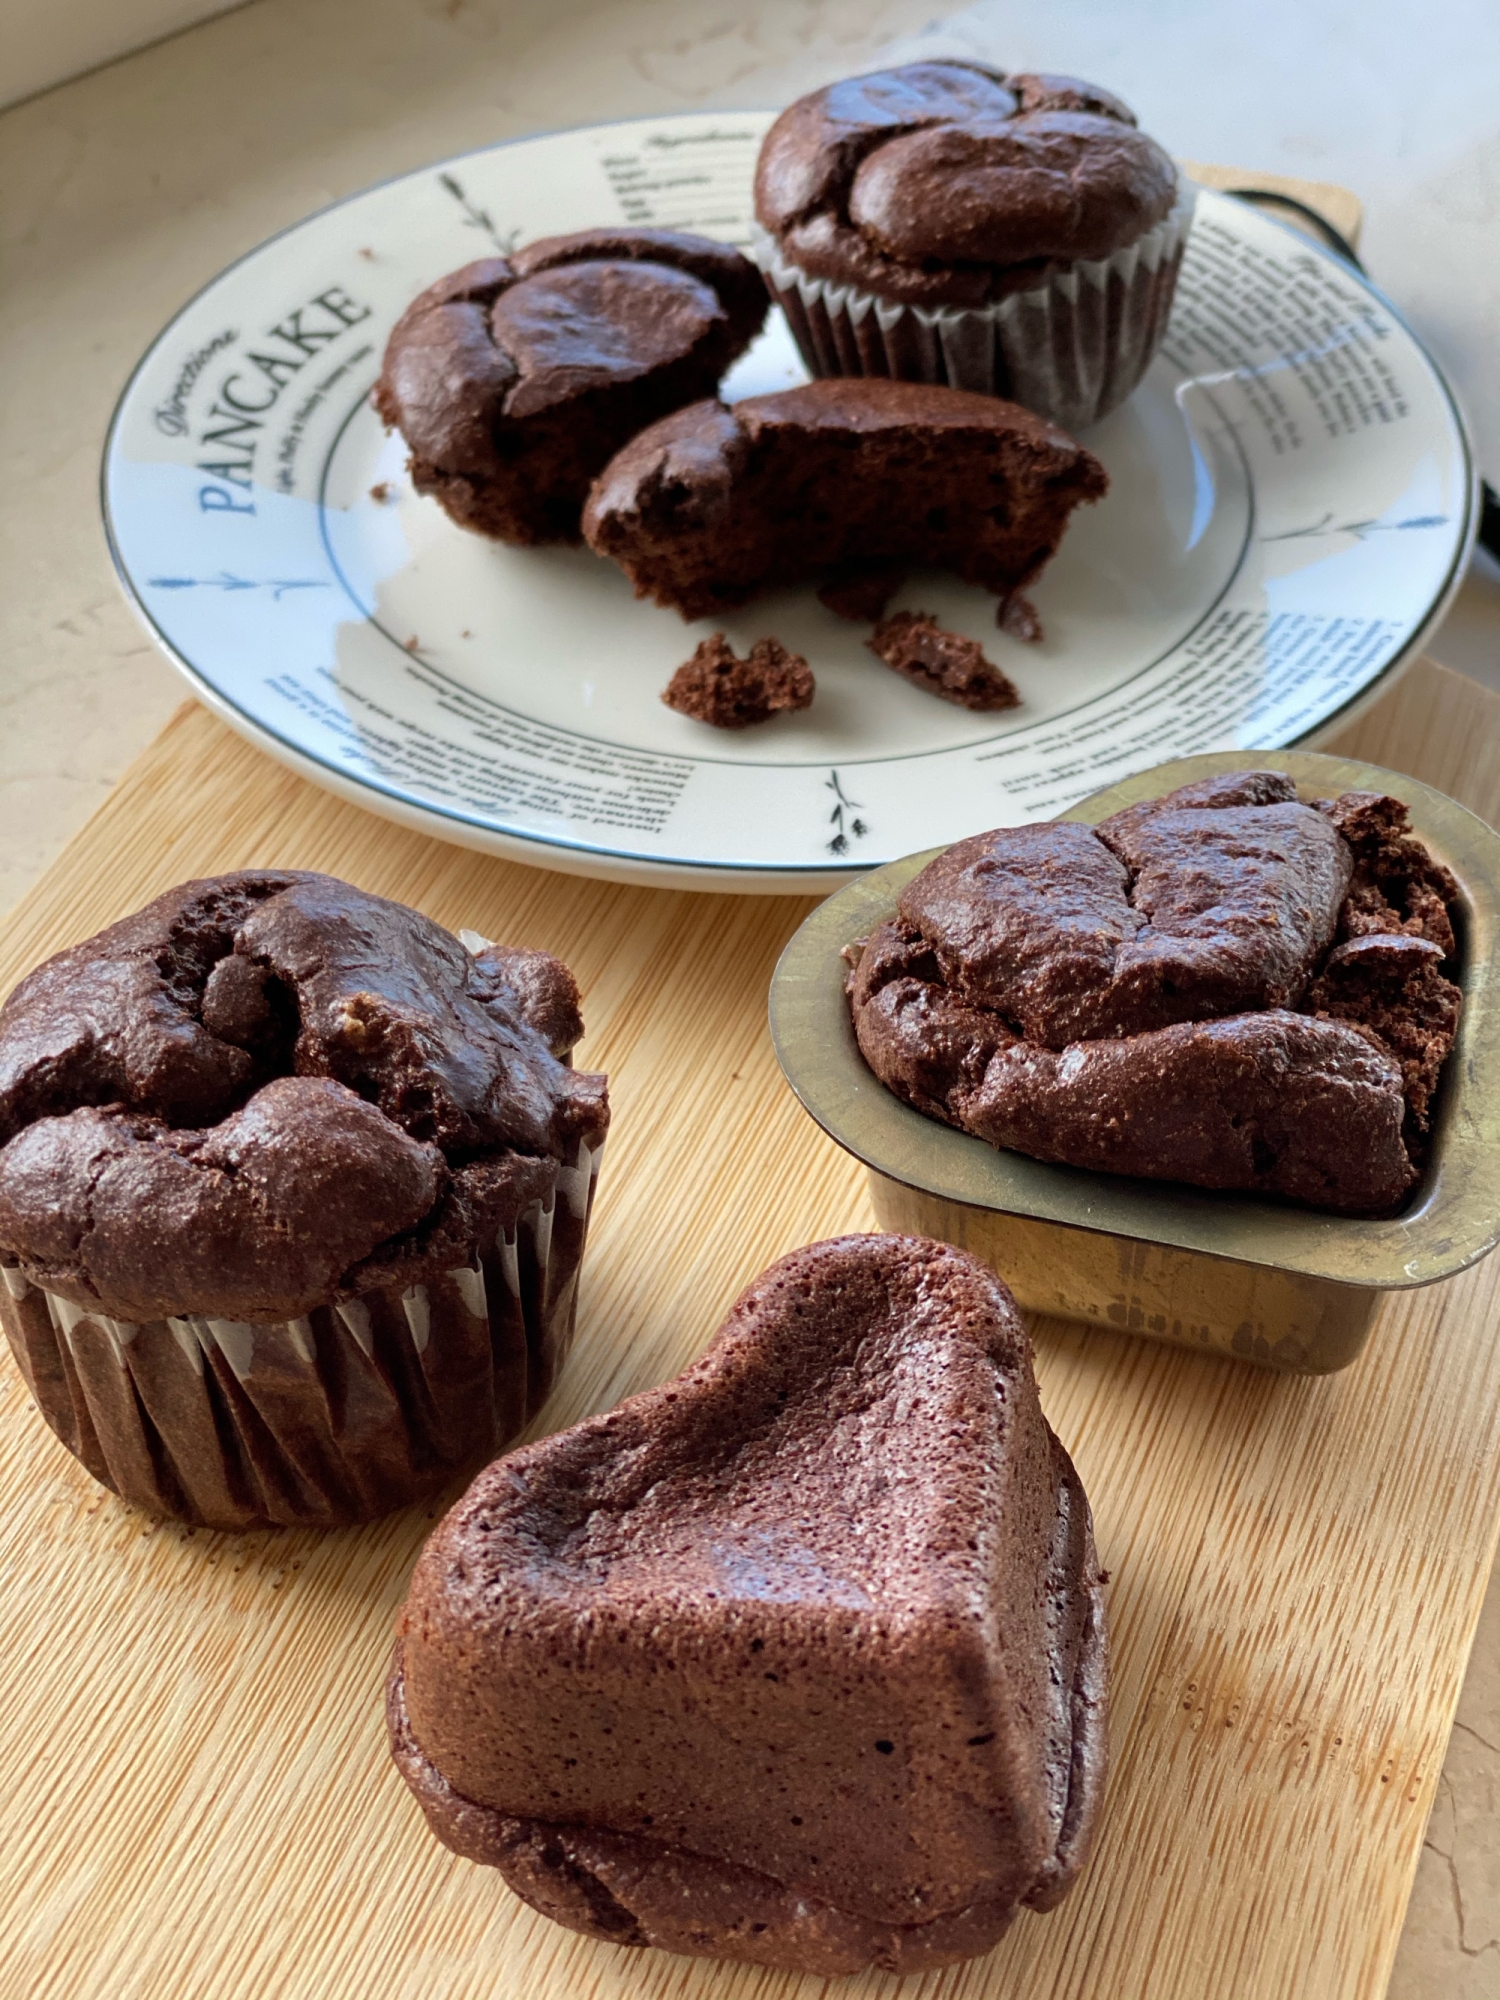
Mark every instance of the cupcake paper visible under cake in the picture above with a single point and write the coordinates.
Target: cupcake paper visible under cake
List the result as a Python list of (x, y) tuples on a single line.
[(293, 1196), (947, 223), (515, 379), (1222, 986), (797, 1659)]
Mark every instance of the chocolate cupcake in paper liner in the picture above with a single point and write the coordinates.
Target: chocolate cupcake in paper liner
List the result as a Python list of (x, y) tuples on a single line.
[(294, 1187), (1014, 235)]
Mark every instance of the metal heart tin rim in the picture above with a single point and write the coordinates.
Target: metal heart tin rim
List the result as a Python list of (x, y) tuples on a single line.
[(1454, 1217)]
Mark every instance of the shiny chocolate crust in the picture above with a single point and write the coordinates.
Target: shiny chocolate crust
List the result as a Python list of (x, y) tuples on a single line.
[(270, 1090), (714, 504), (951, 184), (1167, 994), (514, 380), (798, 1658)]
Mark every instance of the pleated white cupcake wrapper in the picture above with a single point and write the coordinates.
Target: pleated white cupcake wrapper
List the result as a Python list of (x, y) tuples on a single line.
[(1071, 348), (235, 1424), (237, 1339), (195, 1333)]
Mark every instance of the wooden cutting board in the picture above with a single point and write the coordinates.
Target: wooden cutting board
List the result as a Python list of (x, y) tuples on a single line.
[(198, 1799)]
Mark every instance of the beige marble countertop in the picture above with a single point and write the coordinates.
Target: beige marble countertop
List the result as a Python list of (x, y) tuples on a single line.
[(128, 189)]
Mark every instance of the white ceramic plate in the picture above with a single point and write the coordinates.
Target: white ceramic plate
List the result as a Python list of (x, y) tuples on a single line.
[(1291, 505)]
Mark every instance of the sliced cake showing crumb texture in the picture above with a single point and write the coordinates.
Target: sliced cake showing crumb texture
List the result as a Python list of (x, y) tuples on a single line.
[(515, 379), (834, 480), (861, 591), (717, 687), (946, 664), (797, 1659), (1222, 986)]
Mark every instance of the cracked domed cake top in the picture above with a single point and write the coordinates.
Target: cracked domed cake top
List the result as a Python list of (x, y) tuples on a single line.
[(1224, 986), (264, 1089), (514, 379), (947, 183)]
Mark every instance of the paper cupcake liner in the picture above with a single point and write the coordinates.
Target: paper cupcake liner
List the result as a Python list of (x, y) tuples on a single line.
[(347, 1413), (1070, 348)]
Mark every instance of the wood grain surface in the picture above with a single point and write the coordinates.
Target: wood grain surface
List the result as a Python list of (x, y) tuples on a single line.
[(198, 1799)]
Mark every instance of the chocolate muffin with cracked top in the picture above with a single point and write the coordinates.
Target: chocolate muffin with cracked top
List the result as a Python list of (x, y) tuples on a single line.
[(293, 1195), (1222, 986), (945, 222), (516, 379), (838, 478), (797, 1659)]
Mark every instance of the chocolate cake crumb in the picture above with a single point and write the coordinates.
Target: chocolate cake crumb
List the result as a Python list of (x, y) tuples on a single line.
[(381, 492), (954, 668), (717, 687), (1392, 986), (1018, 618), (862, 591), (1397, 886)]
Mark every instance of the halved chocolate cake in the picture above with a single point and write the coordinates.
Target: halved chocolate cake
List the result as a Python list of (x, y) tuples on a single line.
[(842, 480)]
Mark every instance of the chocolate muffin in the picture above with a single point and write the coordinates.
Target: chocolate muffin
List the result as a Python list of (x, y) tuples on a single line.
[(946, 222), (1222, 986), (517, 378), (293, 1195), (797, 1659), (833, 479)]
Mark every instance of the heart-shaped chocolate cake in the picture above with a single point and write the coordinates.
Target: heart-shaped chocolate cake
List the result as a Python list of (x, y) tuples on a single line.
[(1225, 986), (798, 1658)]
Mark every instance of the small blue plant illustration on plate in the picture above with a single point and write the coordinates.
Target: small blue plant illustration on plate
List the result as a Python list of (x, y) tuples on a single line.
[(476, 217), (856, 828), (1361, 530), (227, 580)]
